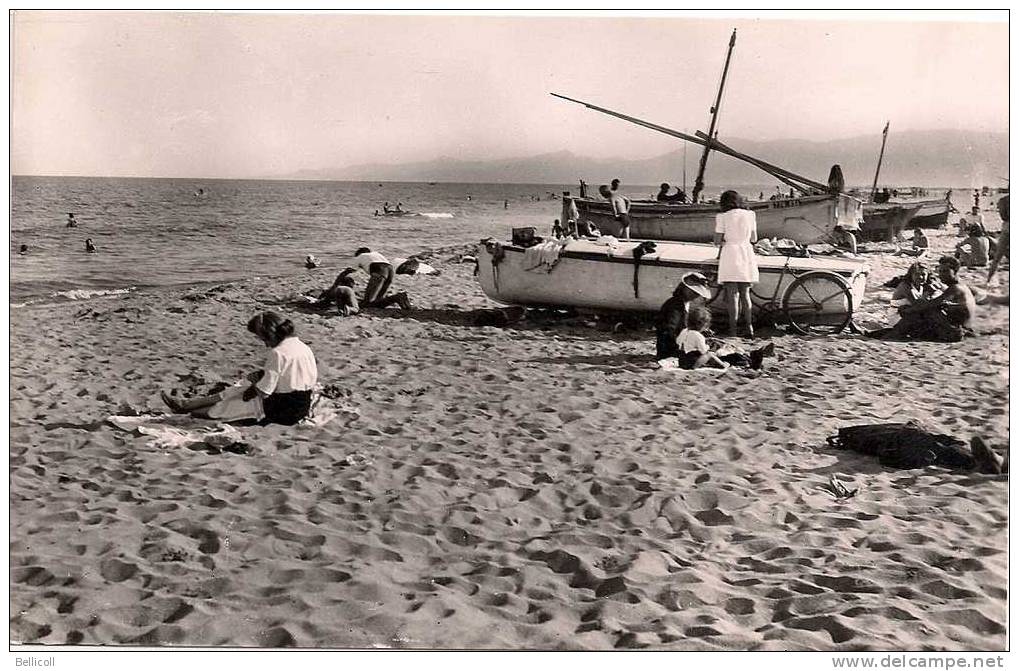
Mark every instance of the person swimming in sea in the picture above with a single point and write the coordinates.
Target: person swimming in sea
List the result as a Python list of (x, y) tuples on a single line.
[(90, 246), (310, 262), (71, 221), (23, 249)]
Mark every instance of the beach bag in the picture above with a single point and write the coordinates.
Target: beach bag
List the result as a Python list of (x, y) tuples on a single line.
[(904, 445), (525, 237)]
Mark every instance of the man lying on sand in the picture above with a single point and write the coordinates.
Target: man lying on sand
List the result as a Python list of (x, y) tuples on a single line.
[(944, 318)]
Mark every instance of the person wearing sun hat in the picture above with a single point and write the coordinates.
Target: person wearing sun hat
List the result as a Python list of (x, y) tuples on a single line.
[(692, 287)]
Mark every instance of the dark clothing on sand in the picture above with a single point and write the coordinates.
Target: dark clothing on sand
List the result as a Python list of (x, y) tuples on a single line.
[(688, 360), (939, 323), (671, 320), (286, 408)]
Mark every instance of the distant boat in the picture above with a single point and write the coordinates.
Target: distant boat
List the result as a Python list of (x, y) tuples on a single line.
[(432, 183), (890, 217), (599, 277), (805, 219), (888, 220)]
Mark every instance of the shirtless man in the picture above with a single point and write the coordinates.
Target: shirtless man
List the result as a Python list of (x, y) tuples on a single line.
[(944, 318), (620, 209)]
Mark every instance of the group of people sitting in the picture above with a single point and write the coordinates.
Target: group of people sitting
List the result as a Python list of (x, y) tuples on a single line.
[(929, 310)]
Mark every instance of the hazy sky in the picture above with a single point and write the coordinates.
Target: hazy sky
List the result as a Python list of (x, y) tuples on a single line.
[(235, 95)]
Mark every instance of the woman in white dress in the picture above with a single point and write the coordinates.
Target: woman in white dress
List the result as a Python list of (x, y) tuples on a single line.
[(736, 233)]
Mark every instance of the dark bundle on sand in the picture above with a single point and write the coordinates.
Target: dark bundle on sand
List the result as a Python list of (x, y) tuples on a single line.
[(909, 445)]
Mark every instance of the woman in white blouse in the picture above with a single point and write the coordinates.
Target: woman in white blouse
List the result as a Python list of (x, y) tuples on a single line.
[(283, 386), (736, 233)]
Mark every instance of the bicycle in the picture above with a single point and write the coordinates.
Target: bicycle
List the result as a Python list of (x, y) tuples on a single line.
[(815, 302)]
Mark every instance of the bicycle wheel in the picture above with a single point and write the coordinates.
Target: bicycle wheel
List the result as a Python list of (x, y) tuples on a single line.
[(818, 303)]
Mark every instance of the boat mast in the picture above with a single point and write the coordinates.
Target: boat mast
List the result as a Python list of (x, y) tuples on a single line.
[(684, 167), (884, 138), (699, 183), (802, 183)]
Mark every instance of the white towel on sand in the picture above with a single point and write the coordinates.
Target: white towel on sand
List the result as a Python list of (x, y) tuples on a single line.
[(672, 364), (168, 431)]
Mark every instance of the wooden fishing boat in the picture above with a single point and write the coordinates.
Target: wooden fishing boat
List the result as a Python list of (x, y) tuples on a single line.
[(815, 295), (885, 221), (932, 214), (807, 219), (889, 218)]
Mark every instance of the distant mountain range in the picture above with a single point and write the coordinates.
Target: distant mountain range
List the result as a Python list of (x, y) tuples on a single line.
[(927, 158)]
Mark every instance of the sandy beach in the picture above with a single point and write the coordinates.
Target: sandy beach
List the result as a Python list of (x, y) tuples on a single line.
[(535, 486)]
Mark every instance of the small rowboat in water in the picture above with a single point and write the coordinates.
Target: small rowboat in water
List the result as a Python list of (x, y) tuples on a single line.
[(815, 295)]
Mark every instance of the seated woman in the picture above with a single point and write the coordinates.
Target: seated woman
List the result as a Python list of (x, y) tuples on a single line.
[(974, 251), (695, 353), (914, 286), (672, 316), (283, 386)]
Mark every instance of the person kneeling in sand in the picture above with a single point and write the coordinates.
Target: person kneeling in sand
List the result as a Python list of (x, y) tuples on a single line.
[(944, 318), (341, 294), (283, 386), (694, 351), (380, 276)]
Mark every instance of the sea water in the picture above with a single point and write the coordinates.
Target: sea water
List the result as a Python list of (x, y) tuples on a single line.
[(164, 232)]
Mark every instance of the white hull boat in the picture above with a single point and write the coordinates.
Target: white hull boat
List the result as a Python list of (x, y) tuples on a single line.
[(816, 294)]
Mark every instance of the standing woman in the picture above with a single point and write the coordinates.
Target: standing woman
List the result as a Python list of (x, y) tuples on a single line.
[(736, 233)]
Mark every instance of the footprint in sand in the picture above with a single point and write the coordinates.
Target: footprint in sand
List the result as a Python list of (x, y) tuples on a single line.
[(115, 570)]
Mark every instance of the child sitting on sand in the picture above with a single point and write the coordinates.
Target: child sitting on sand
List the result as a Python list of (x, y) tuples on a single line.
[(694, 351), (283, 386)]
